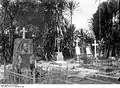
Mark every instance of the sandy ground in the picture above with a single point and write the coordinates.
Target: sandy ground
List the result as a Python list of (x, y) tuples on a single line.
[(72, 68)]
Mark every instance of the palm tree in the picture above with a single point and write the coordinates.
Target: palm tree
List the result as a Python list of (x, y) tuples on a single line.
[(72, 7), (108, 33), (55, 24)]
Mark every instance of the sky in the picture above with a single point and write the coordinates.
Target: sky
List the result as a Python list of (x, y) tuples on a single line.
[(84, 12)]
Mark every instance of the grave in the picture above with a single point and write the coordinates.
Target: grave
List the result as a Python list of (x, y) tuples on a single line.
[(106, 78), (88, 51), (77, 50), (78, 74), (59, 56), (95, 52), (59, 53), (23, 53), (95, 49)]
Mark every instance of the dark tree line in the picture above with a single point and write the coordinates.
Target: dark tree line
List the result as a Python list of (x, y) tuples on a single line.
[(43, 19), (105, 24)]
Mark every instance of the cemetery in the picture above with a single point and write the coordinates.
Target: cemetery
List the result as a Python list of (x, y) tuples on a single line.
[(46, 54)]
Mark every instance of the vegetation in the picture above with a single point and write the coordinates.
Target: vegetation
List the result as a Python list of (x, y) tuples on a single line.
[(72, 5), (106, 28), (43, 19)]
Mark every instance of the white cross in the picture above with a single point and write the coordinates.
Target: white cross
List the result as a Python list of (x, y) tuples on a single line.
[(95, 49), (23, 35)]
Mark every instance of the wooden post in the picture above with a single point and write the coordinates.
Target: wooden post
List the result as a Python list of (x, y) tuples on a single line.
[(4, 68), (40, 73), (34, 78), (67, 73)]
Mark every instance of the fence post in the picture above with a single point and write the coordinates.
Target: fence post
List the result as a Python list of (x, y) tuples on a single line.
[(4, 69), (39, 70), (34, 72), (34, 76), (67, 73)]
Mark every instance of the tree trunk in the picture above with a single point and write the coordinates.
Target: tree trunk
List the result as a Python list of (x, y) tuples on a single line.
[(113, 50), (108, 50), (105, 50), (71, 16)]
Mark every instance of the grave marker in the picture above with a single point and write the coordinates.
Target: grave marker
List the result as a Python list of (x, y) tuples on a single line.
[(95, 49), (23, 31), (59, 53), (88, 50), (77, 49)]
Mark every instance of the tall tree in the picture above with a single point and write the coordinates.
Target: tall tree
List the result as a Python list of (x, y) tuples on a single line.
[(69, 41), (108, 33), (72, 5), (44, 16), (55, 24)]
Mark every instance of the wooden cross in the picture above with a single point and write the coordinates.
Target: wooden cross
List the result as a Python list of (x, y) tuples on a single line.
[(95, 49), (23, 35)]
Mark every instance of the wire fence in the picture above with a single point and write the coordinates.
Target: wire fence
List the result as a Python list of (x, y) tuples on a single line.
[(16, 78), (42, 76), (115, 64), (54, 74)]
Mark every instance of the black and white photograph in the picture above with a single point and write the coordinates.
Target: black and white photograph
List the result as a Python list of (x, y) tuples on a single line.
[(59, 42)]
